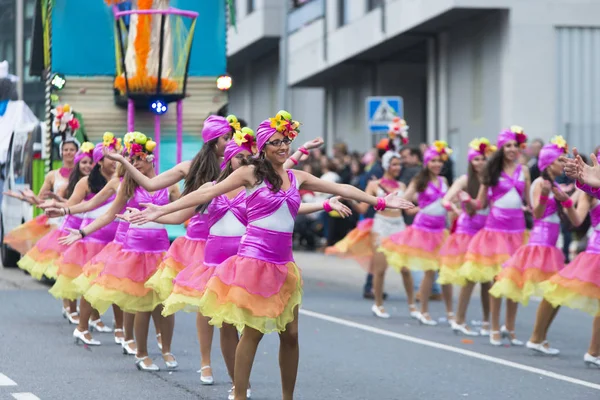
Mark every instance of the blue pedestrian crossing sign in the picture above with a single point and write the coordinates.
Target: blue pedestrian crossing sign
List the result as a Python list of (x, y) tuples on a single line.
[(381, 110)]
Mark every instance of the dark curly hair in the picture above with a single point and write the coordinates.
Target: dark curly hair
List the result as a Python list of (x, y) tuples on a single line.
[(96, 181), (264, 171), (74, 177), (493, 168)]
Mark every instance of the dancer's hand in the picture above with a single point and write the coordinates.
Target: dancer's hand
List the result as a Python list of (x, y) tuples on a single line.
[(451, 206), (313, 144), (112, 155), (342, 209), (396, 202), (48, 204), (54, 212), (73, 236), (464, 196), (546, 187), (12, 194), (149, 214), (575, 168), (130, 212), (559, 195)]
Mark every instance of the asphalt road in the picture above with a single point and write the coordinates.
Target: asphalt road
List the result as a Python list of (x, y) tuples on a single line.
[(346, 353)]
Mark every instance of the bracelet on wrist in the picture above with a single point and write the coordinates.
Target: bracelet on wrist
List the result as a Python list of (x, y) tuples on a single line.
[(294, 160), (567, 203), (327, 207), (82, 233), (303, 150), (380, 204)]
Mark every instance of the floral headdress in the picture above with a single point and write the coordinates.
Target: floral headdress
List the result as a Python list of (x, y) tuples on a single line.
[(141, 146), (438, 149), (233, 122), (64, 118), (111, 142), (85, 150), (127, 140), (515, 133), (242, 140), (480, 147), (398, 132), (283, 123), (552, 151)]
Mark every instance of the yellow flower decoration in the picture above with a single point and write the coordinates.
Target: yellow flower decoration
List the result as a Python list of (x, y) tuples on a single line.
[(240, 138), (86, 147), (560, 142), (279, 123), (107, 138), (150, 145), (475, 144), (516, 129)]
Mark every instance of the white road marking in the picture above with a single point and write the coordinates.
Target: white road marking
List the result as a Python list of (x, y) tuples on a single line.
[(6, 381), (452, 349), (25, 396)]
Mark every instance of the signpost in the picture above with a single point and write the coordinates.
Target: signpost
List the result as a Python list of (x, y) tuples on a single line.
[(381, 110)]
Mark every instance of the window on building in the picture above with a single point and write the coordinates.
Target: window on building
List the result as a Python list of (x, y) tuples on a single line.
[(342, 12), (250, 6), (373, 4), (26, 76), (29, 9)]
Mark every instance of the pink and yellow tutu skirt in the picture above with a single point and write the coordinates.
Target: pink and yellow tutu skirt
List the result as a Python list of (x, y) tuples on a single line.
[(417, 247), (184, 251), (260, 287), (492, 246), (578, 284), (25, 236), (76, 256), (532, 264), (358, 244), (41, 259), (453, 251), (190, 284), (122, 280)]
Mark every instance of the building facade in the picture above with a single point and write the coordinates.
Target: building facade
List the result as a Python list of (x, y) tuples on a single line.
[(16, 36), (464, 68)]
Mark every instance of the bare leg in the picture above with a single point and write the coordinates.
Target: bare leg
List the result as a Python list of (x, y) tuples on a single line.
[(118, 313), (511, 314), (95, 316), (407, 280), (128, 323), (543, 319), (425, 290), (205, 337), (594, 349), (379, 264), (554, 313), (485, 300), (141, 327), (463, 302), (447, 295), (229, 341), (244, 358), (495, 306), (167, 326), (156, 322), (289, 356), (85, 310)]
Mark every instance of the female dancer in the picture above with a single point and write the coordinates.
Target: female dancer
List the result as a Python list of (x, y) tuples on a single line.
[(504, 232), (575, 286), (184, 251), (122, 281), (470, 221), (418, 245), (258, 290), (71, 263), (25, 236)]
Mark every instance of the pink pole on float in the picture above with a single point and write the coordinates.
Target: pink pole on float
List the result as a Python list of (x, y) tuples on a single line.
[(130, 116), (157, 140), (179, 129)]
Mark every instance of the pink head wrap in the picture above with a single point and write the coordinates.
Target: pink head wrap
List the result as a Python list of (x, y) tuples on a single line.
[(81, 155), (282, 123), (438, 149), (263, 134), (97, 153), (514, 133), (550, 152), (480, 147), (214, 127), (233, 149)]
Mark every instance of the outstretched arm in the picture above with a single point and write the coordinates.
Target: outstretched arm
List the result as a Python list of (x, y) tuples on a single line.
[(299, 154), (310, 182), (164, 180), (455, 190), (333, 204), (109, 189)]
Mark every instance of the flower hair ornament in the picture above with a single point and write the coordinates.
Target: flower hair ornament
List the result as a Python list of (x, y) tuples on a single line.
[(438, 149), (111, 142), (515, 133), (127, 141), (234, 123), (141, 146), (480, 147), (64, 118), (398, 132), (552, 151), (242, 140), (284, 124), (85, 150)]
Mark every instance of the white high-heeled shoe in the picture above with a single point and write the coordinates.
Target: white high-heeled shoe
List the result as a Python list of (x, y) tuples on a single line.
[(80, 337), (543, 348), (485, 329), (128, 351), (95, 327), (413, 311), (379, 311), (464, 329), (425, 319), (206, 380), (171, 365), (119, 340), (73, 318), (591, 361), (139, 362), (493, 341), (232, 394), (510, 336), (159, 343)]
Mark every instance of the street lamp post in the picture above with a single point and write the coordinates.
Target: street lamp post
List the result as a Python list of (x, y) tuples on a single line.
[(283, 58)]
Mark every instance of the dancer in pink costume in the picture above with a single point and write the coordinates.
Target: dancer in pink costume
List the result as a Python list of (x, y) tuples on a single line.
[(259, 289), (505, 187), (469, 222), (417, 247)]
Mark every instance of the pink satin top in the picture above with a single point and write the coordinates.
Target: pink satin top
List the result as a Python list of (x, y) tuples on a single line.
[(221, 246), (508, 220), (150, 237), (594, 240), (197, 228), (425, 220), (270, 209), (105, 234), (546, 229)]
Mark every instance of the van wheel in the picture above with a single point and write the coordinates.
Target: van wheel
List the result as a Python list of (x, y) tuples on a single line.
[(9, 256)]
